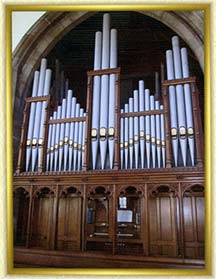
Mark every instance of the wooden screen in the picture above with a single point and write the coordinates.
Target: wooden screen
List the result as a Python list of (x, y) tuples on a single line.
[(162, 224), (194, 222), (69, 223)]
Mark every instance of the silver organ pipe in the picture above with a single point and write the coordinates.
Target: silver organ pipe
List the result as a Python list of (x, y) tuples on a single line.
[(80, 135), (61, 138), (96, 100), (57, 136), (31, 120), (136, 129), (126, 135), (188, 104), (52, 148), (67, 127), (180, 99), (46, 90), (112, 80), (163, 146), (83, 140), (38, 114), (142, 123), (71, 134), (172, 105), (131, 132), (158, 134), (104, 101), (49, 145), (153, 132), (76, 134), (147, 128), (122, 140)]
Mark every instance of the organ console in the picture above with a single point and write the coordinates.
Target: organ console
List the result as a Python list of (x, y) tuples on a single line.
[(154, 131)]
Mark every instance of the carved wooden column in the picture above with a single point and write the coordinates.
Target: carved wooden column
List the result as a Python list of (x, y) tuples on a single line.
[(167, 127), (29, 217), (23, 139)]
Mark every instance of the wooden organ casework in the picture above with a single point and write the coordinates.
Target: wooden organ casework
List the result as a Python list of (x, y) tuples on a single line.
[(125, 183)]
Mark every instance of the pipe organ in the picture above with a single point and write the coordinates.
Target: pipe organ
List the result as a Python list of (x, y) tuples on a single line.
[(108, 149)]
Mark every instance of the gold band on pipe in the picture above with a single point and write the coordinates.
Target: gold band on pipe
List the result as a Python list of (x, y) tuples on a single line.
[(56, 146), (51, 148), (163, 143), (142, 135), (28, 142), (34, 142), (126, 144), (102, 133), (111, 132), (40, 142), (153, 140), (70, 143), (190, 132), (83, 148), (61, 143), (79, 147), (148, 137), (131, 142), (121, 145), (94, 134), (136, 138), (75, 145), (182, 132), (173, 132), (66, 139), (158, 142)]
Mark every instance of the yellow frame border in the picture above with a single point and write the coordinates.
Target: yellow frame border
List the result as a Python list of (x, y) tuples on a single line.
[(9, 149)]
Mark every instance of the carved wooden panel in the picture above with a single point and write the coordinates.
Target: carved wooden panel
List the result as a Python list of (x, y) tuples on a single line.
[(163, 222), (69, 223), (194, 221)]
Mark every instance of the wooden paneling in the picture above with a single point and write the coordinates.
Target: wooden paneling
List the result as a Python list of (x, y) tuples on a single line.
[(162, 226), (194, 222), (69, 224)]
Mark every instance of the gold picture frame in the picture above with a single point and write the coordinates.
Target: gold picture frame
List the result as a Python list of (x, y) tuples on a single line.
[(114, 271)]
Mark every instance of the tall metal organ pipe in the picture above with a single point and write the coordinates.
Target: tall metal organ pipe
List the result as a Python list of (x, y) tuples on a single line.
[(31, 120), (61, 138), (158, 134), (67, 128), (147, 127), (188, 105), (46, 91), (172, 105), (96, 99), (180, 99), (38, 114), (57, 136), (126, 135), (104, 101), (162, 126), (112, 80), (131, 132), (83, 140), (76, 134), (71, 134), (52, 148), (122, 140), (153, 133), (142, 122), (80, 135), (136, 128)]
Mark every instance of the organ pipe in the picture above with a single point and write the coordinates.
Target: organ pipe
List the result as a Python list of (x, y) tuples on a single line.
[(76, 134), (46, 91), (153, 133), (173, 107), (112, 80), (83, 139), (52, 148), (80, 135), (74, 113), (188, 104), (131, 132), (162, 126), (62, 131), (126, 135), (158, 134), (142, 122), (180, 99), (147, 127), (96, 99), (67, 128), (31, 120), (136, 128), (57, 136), (122, 140), (104, 90)]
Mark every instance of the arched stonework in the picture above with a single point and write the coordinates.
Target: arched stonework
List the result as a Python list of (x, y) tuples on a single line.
[(52, 26)]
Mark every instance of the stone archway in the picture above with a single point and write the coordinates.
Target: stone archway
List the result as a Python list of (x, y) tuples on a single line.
[(51, 27)]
